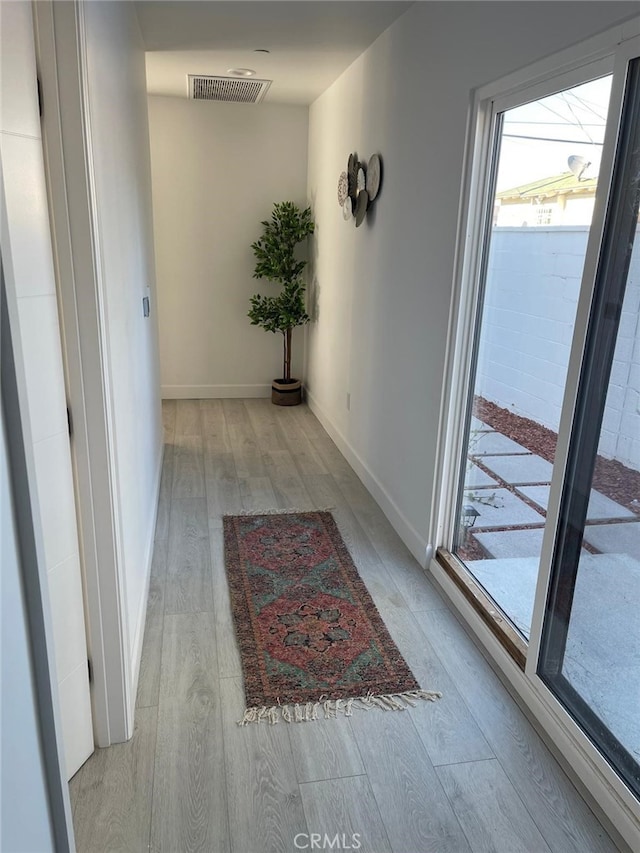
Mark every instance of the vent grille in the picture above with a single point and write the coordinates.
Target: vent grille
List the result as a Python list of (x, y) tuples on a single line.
[(238, 91)]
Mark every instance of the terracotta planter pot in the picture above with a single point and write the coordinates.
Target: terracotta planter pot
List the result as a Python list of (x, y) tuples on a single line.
[(286, 393)]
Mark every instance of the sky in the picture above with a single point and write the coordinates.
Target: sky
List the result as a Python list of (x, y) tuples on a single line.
[(574, 121)]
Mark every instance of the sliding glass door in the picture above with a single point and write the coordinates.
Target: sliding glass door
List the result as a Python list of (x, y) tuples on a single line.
[(543, 187), (590, 653), (542, 526)]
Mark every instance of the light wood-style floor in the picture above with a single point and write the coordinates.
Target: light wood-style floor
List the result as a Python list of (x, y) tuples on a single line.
[(466, 773)]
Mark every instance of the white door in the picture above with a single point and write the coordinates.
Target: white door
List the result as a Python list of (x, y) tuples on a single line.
[(30, 283)]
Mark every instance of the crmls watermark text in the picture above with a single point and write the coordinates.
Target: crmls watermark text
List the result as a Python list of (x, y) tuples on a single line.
[(316, 841)]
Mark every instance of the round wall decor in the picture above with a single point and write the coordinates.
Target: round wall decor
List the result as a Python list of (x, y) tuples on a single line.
[(373, 176), (359, 186), (352, 175), (361, 207), (343, 188)]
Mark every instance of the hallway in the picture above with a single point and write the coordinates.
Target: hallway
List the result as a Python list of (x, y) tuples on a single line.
[(466, 773)]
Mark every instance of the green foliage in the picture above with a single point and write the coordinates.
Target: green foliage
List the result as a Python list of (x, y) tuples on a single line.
[(279, 313), (275, 250), (276, 261)]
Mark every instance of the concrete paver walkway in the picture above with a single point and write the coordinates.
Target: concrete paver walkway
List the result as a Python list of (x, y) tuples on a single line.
[(600, 508), (520, 469)]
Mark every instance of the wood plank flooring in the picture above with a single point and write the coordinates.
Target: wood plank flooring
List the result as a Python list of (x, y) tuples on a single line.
[(462, 775)]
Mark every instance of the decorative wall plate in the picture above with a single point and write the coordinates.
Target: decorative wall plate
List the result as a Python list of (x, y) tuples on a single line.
[(373, 176), (343, 188), (361, 207), (362, 187), (352, 174)]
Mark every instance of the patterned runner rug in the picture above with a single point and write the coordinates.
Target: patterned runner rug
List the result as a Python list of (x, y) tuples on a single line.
[(311, 639)]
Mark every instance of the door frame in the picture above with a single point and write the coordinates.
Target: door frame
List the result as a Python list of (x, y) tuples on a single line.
[(22, 476), (66, 128), (608, 796)]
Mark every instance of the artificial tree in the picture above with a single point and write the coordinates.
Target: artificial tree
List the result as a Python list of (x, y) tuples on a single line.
[(276, 258)]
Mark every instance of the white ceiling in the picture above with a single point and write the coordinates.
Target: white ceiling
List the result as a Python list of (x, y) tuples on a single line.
[(311, 43)]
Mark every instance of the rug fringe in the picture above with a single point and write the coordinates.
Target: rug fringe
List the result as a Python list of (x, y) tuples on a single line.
[(332, 708), (250, 513)]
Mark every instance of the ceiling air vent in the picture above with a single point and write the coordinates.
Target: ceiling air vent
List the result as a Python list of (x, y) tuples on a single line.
[(237, 91)]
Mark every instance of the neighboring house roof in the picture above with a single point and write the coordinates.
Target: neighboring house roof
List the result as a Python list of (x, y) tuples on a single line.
[(567, 182)]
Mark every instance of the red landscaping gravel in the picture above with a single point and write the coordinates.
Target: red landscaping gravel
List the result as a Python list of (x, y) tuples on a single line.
[(471, 551), (611, 478)]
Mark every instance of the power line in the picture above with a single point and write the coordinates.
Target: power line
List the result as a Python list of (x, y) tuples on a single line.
[(549, 139), (551, 110), (586, 105), (577, 118), (564, 123)]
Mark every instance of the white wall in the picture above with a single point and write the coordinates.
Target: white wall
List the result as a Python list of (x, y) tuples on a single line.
[(383, 290), (217, 169), (28, 269), (116, 85)]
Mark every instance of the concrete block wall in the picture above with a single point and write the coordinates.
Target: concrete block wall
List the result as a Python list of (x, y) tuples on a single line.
[(528, 318), (621, 428)]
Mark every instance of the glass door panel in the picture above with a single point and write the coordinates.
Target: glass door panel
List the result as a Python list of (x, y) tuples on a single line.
[(590, 651), (545, 175)]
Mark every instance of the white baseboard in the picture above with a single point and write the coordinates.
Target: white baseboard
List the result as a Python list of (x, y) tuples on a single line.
[(213, 392), (138, 637), (551, 721), (403, 527)]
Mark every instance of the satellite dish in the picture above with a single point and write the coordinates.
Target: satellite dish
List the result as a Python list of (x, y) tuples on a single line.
[(578, 165)]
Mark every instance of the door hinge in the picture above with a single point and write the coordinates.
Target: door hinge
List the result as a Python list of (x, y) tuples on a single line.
[(90, 668), (40, 104), (69, 421)]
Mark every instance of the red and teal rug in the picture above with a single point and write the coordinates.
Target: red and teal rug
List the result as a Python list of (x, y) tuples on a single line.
[(311, 639)]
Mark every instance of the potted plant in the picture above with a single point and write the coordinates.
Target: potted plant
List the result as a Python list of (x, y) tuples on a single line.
[(276, 258)]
